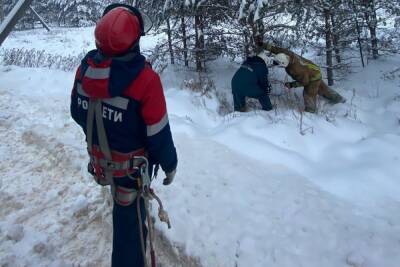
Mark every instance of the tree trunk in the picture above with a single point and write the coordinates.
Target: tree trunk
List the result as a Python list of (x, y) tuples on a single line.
[(374, 42), (197, 30), (202, 43), (372, 22), (336, 40), (184, 41), (171, 51), (358, 28), (2, 15), (246, 36), (328, 40)]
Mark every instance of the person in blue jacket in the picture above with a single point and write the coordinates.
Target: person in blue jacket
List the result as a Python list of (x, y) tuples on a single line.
[(251, 80), (118, 101)]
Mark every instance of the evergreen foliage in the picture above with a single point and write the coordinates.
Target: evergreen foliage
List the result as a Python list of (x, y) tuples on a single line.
[(199, 31)]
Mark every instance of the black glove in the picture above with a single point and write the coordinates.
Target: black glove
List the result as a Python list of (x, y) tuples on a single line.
[(170, 177), (258, 40)]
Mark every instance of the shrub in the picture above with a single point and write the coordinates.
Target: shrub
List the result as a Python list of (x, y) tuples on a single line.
[(33, 58)]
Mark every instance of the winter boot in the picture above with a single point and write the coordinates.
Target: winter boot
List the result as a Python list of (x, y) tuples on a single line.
[(310, 110), (336, 99)]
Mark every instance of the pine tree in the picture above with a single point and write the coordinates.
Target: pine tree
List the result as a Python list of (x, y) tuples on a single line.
[(2, 10)]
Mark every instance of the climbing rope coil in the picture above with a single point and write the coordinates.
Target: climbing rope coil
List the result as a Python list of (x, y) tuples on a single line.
[(106, 164)]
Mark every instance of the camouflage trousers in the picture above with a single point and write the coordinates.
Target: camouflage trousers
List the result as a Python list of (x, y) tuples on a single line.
[(319, 88)]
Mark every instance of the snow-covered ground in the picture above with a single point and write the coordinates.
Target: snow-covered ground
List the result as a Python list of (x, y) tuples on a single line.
[(60, 41), (251, 190)]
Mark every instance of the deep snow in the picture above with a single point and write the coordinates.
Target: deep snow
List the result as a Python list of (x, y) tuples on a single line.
[(250, 189)]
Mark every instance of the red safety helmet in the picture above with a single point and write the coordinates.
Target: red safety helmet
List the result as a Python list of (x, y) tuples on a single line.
[(119, 29)]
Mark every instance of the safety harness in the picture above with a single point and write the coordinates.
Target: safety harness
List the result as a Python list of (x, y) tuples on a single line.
[(106, 164)]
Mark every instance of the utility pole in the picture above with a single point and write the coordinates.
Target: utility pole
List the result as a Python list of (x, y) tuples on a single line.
[(12, 18)]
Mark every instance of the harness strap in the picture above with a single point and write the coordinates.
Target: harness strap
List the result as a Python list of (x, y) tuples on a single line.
[(101, 132), (122, 195), (102, 138), (89, 125), (119, 166)]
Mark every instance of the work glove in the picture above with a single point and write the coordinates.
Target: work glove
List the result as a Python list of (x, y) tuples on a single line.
[(288, 85), (266, 45), (170, 177), (269, 88), (269, 61)]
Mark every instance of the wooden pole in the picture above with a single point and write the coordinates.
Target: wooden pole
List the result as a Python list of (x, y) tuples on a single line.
[(39, 18)]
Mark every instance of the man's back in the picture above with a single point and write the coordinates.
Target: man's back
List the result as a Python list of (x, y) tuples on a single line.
[(251, 77), (118, 101), (128, 112)]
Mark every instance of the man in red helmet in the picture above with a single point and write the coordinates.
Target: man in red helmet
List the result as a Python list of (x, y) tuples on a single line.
[(118, 101)]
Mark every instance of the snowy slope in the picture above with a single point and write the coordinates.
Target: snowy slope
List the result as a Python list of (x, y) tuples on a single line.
[(60, 41), (250, 189)]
